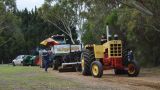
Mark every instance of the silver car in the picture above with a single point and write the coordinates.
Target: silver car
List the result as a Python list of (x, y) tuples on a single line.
[(18, 60)]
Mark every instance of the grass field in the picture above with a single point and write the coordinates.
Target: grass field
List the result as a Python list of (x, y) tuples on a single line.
[(31, 78), (35, 78)]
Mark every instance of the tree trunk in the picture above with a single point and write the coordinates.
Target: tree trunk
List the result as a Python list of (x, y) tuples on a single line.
[(72, 39)]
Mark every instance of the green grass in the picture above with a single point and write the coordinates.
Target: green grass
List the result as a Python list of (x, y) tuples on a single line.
[(31, 78)]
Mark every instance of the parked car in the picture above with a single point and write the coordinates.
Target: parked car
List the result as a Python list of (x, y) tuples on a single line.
[(18, 60), (29, 60)]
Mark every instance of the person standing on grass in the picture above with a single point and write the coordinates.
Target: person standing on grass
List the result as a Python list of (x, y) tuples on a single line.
[(46, 56)]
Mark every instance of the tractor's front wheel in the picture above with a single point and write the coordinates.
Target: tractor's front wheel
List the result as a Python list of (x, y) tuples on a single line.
[(133, 69), (97, 69)]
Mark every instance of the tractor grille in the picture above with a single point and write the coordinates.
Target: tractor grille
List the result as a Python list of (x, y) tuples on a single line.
[(115, 49)]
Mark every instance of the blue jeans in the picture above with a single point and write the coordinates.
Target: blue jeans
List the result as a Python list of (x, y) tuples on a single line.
[(46, 65)]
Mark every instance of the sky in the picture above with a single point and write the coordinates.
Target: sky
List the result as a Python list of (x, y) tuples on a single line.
[(29, 4)]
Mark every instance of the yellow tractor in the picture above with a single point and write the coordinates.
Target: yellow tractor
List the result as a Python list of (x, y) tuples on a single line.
[(96, 58)]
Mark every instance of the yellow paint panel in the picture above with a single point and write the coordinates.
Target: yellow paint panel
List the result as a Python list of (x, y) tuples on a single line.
[(114, 48), (99, 51)]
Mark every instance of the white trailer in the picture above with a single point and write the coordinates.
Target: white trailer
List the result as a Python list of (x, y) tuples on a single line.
[(66, 56)]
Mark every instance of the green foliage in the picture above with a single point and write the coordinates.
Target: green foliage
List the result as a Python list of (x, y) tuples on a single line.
[(89, 37), (11, 38), (62, 16), (112, 18), (142, 32), (34, 29)]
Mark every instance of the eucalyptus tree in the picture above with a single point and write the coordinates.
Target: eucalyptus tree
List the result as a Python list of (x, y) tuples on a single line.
[(61, 14), (11, 38), (143, 29)]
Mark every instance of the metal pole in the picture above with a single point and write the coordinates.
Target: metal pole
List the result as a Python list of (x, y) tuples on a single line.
[(107, 32)]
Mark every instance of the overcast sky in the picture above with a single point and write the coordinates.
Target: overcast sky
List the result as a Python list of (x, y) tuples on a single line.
[(29, 4)]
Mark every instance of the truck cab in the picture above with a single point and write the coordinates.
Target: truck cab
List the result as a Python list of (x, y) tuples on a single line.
[(59, 38)]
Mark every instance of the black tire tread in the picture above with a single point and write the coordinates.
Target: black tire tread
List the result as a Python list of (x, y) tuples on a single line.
[(137, 69), (88, 59)]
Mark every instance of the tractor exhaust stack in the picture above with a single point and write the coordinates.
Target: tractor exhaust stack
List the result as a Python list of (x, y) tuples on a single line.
[(107, 32)]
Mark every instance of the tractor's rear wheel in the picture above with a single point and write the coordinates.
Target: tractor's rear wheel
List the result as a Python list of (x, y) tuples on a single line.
[(133, 69), (87, 58), (97, 69)]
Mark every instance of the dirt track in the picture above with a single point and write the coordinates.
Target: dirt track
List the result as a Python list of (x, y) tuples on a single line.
[(149, 79)]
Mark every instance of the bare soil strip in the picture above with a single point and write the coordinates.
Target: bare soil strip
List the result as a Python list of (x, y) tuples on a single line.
[(148, 80)]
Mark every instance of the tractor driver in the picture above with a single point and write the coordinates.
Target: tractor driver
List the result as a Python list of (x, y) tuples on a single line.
[(115, 37), (103, 39)]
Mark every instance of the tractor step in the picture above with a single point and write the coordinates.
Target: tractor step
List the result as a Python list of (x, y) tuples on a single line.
[(70, 64), (66, 69), (69, 67)]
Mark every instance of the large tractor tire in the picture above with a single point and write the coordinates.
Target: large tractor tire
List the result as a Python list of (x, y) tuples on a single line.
[(119, 72), (133, 69), (97, 69), (87, 58)]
